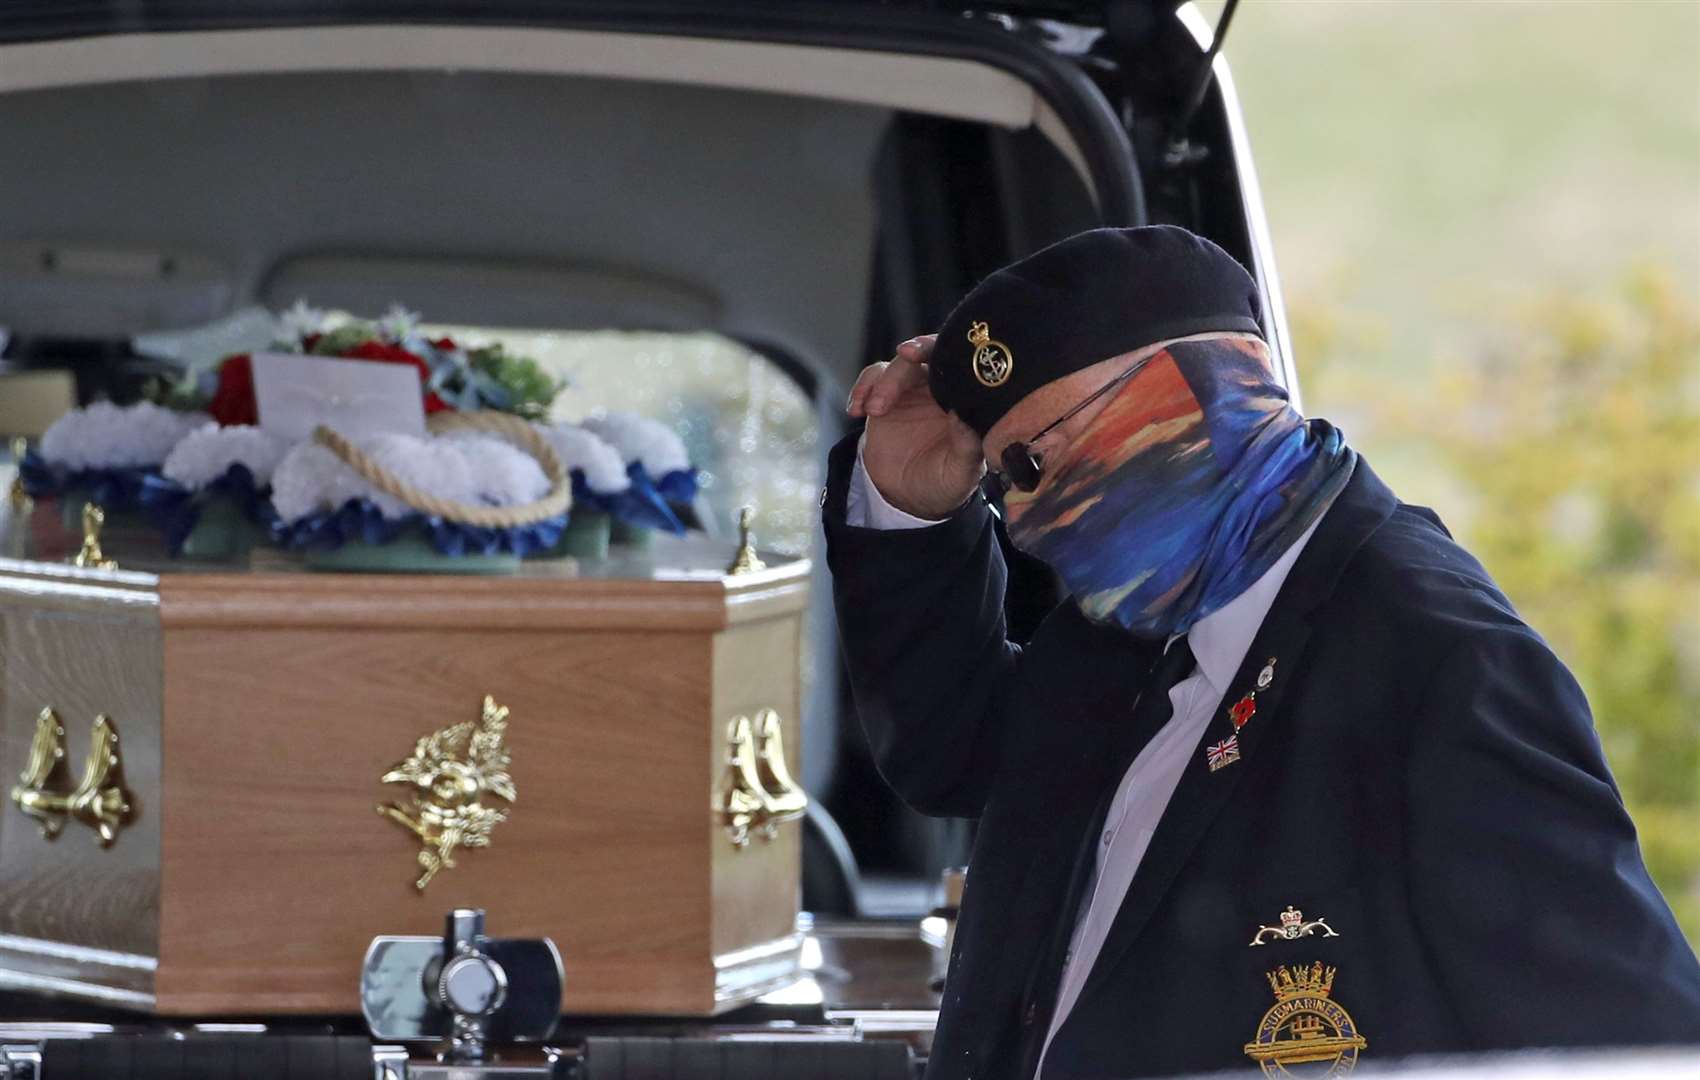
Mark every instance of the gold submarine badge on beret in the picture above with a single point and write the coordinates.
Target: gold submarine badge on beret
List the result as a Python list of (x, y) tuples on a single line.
[(992, 359), (1305, 1026)]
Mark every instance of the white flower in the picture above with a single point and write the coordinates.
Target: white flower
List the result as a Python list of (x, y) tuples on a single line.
[(301, 321), (503, 474), (463, 467), (398, 323), (207, 453), (304, 480), (108, 436), (641, 439), (604, 468)]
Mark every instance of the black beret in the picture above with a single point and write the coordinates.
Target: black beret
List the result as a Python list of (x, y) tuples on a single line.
[(1095, 295)]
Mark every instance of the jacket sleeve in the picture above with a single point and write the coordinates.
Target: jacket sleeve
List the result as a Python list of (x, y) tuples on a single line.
[(1527, 884), (921, 622)]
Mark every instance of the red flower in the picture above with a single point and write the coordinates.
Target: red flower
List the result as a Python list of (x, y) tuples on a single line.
[(233, 402), (395, 354), (1244, 709), (447, 344)]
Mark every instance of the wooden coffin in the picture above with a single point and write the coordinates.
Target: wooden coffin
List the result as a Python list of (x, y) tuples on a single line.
[(257, 713)]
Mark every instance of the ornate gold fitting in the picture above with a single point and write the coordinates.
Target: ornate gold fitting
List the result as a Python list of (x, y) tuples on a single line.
[(20, 499), (91, 557), (450, 772), (761, 794), (99, 800), (746, 561)]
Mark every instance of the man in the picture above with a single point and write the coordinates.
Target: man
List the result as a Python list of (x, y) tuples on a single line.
[(1287, 782)]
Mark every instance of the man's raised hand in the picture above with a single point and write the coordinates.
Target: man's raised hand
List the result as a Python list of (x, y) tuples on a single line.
[(923, 460)]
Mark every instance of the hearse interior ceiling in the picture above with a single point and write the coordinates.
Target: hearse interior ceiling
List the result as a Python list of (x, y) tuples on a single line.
[(483, 198)]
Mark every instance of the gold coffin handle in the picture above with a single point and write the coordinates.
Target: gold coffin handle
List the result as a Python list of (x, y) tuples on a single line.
[(786, 800), (742, 810), (761, 794), (99, 800), (44, 776)]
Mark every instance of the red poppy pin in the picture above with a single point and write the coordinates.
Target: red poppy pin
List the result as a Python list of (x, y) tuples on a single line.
[(1244, 709)]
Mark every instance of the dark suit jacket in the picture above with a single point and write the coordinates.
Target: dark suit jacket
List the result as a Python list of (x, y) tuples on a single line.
[(1422, 774)]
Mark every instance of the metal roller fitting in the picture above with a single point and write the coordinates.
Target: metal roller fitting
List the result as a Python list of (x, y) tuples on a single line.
[(463, 988)]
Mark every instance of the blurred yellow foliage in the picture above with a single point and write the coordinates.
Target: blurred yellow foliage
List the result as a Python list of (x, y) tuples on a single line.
[(1570, 458)]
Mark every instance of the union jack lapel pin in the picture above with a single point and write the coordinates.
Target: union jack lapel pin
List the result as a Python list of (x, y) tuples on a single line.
[(1223, 753)]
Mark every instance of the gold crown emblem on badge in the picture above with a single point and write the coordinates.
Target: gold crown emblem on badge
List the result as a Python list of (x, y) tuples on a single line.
[(992, 359), (1292, 982)]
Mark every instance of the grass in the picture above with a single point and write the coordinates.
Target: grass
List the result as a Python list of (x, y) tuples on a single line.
[(1428, 164)]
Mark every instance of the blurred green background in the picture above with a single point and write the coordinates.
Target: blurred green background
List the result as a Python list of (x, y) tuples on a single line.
[(1487, 219)]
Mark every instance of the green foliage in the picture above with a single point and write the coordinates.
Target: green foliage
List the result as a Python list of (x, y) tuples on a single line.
[(531, 388), (181, 393), (1571, 453), (336, 341)]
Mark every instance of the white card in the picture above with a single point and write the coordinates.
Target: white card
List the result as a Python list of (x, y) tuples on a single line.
[(297, 393)]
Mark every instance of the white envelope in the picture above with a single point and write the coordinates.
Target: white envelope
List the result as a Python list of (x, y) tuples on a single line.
[(297, 393)]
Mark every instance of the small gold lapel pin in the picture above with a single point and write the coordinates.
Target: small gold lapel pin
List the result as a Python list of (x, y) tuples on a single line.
[(1293, 926)]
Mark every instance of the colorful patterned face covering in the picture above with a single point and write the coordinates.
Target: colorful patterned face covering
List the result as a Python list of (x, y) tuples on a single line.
[(1183, 491)]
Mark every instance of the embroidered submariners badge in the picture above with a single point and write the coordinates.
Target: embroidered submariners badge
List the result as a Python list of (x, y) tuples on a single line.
[(992, 360), (1305, 1026), (1293, 927)]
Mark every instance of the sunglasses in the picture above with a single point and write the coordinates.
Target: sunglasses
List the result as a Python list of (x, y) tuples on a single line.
[(1022, 468)]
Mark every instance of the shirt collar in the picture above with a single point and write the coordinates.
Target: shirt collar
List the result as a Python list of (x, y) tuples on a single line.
[(1221, 639)]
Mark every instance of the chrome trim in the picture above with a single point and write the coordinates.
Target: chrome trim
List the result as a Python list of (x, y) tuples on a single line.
[(80, 954), (746, 974), (885, 1021), (39, 580), (20, 1061), (389, 1063), (39, 1030), (47, 984), (789, 944), (1251, 205)]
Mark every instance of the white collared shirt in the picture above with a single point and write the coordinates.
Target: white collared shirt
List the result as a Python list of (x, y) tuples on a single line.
[(1219, 642)]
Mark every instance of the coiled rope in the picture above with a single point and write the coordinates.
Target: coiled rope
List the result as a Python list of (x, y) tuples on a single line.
[(515, 430)]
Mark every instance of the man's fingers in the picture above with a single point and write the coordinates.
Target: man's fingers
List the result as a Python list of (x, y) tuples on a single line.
[(879, 386), (902, 375), (922, 345), (857, 405)]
